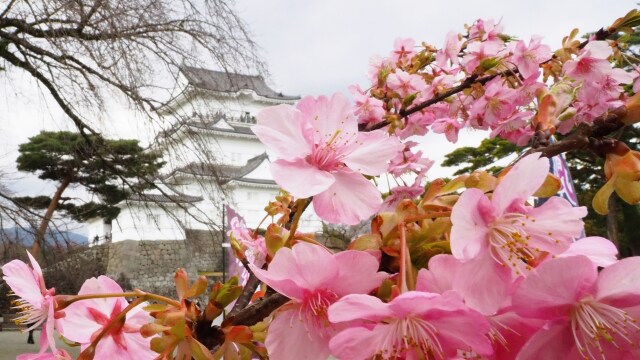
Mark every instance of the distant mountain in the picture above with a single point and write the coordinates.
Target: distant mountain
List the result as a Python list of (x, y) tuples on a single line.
[(26, 237)]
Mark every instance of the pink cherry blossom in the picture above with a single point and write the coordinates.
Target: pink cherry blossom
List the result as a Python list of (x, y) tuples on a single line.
[(35, 302), (478, 51), (256, 248), (497, 104), (399, 193), (403, 49), (369, 110), (417, 124), (529, 58), (408, 161), (485, 30), (378, 64), (508, 331), (414, 325), (405, 84), (590, 315), (85, 319), (313, 279), (452, 46), (591, 64), (439, 84), (501, 238), (323, 155), (449, 127)]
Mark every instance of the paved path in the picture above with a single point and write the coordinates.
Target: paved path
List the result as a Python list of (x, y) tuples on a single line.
[(13, 343)]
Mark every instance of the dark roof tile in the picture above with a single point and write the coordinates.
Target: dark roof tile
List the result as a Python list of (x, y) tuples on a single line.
[(230, 82)]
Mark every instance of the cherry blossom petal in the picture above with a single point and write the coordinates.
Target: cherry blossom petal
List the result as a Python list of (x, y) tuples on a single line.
[(514, 332), (316, 266), (618, 283), (47, 331), (38, 271), (439, 275), (328, 116), (464, 330), (136, 347), (300, 178), (598, 49), (484, 284), (372, 152), (556, 219), (350, 199), (526, 176), (417, 302), (551, 291), (290, 338), (469, 218), (352, 262), (305, 268), (358, 307), (23, 282), (599, 250), (282, 131), (356, 342), (79, 325), (553, 342)]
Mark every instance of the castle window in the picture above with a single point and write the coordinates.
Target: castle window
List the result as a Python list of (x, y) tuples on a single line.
[(247, 118)]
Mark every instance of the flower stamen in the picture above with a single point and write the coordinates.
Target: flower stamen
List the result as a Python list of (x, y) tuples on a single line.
[(593, 322)]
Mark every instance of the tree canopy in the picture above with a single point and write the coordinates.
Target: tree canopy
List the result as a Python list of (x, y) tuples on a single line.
[(103, 167)]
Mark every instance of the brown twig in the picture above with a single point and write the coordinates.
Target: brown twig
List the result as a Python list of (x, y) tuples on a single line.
[(587, 136), (257, 311)]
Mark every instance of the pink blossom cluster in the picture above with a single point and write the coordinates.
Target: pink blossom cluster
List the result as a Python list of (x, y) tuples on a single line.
[(514, 76), (517, 286), (80, 321)]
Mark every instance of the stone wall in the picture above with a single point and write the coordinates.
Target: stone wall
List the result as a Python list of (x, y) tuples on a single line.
[(147, 265)]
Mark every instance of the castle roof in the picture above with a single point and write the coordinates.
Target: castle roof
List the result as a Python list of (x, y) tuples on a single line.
[(168, 195), (229, 82), (226, 173)]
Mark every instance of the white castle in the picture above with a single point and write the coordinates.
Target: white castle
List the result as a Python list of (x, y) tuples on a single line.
[(212, 159)]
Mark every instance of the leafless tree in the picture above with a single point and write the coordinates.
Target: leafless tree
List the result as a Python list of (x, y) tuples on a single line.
[(83, 52), (79, 49)]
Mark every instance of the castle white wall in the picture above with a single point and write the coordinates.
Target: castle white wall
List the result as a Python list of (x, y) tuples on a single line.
[(153, 223)]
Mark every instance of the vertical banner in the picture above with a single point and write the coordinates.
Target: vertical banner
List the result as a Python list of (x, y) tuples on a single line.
[(559, 168)]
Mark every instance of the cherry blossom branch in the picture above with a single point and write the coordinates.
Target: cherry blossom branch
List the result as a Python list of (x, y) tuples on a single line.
[(588, 136), (249, 289), (65, 300), (257, 311), (601, 34), (300, 206)]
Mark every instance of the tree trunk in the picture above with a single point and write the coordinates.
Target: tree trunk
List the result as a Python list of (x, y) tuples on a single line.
[(46, 219), (612, 221), (630, 221)]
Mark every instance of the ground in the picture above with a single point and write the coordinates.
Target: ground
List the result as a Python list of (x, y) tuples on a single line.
[(14, 343)]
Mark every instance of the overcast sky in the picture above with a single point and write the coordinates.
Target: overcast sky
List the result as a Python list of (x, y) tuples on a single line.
[(320, 47)]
